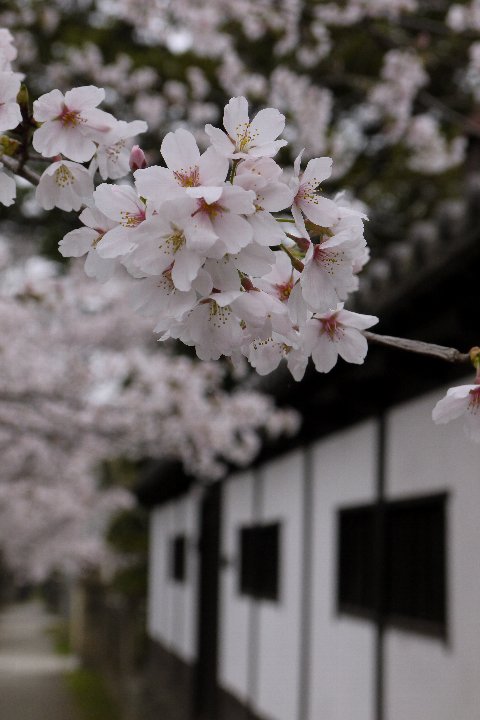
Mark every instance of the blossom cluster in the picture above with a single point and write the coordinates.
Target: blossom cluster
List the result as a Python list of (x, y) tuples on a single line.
[(83, 383), (213, 257)]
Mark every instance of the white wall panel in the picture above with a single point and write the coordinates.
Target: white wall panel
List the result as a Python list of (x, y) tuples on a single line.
[(183, 593), (279, 622), (342, 657), (237, 504), (159, 606), (426, 678), (172, 604)]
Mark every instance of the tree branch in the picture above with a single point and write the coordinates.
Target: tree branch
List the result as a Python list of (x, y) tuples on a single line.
[(417, 346), (23, 172)]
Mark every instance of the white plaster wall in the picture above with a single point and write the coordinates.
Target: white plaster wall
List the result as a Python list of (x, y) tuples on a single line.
[(183, 595), (429, 679), (237, 503), (172, 605), (277, 688), (342, 653), (159, 600)]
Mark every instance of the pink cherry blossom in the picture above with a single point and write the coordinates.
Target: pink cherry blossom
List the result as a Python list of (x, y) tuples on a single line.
[(262, 176), (224, 217), (170, 242), (137, 159), (71, 123), (307, 198), (186, 169), (244, 138), (336, 333), (328, 276), (211, 327), (121, 204), (462, 401), (85, 240), (113, 158)]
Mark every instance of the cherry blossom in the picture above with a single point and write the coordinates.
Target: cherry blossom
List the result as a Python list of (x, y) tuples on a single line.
[(10, 115), (245, 138), (85, 240), (8, 189), (112, 158), (187, 171), (8, 51), (461, 402), (72, 123), (121, 204), (307, 199), (336, 333), (170, 244), (66, 185), (96, 387)]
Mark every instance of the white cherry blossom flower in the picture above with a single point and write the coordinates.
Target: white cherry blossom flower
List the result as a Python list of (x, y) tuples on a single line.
[(158, 297), (336, 333), (10, 115), (72, 123), (265, 354), (211, 327), (252, 260), (121, 204), (262, 176), (8, 51), (223, 217), (8, 189), (244, 138), (170, 242), (113, 159), (186, 169), (282, 282), (461, 401), (261, 314), (328, 276), (306, 189), (66, 185), (85, 240)]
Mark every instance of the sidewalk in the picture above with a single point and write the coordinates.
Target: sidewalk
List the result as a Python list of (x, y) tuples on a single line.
[(31, 682)]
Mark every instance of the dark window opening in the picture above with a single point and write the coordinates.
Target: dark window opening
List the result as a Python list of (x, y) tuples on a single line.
[(356, 553), (178, 547), (259, 561), (409, 587), (415, 560)]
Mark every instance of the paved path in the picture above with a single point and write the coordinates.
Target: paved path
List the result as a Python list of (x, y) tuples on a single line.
[(31, 682)]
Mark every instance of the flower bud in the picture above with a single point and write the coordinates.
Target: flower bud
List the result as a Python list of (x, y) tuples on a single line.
[(137, 159), (9, 146)]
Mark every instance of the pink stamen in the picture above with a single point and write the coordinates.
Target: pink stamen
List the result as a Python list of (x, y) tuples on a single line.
[(331, 326), (70, 118), (474, 402)]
